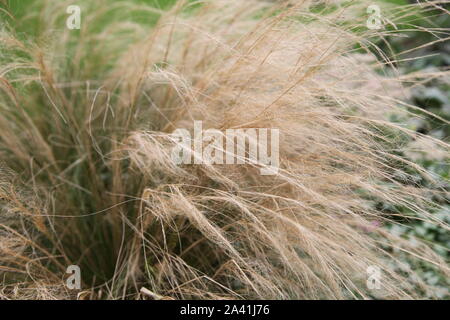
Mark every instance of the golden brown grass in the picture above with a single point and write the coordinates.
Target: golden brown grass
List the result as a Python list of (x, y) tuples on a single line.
[(87, 179)]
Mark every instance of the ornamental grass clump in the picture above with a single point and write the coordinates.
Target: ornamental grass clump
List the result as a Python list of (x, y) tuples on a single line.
[(87, 177)]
